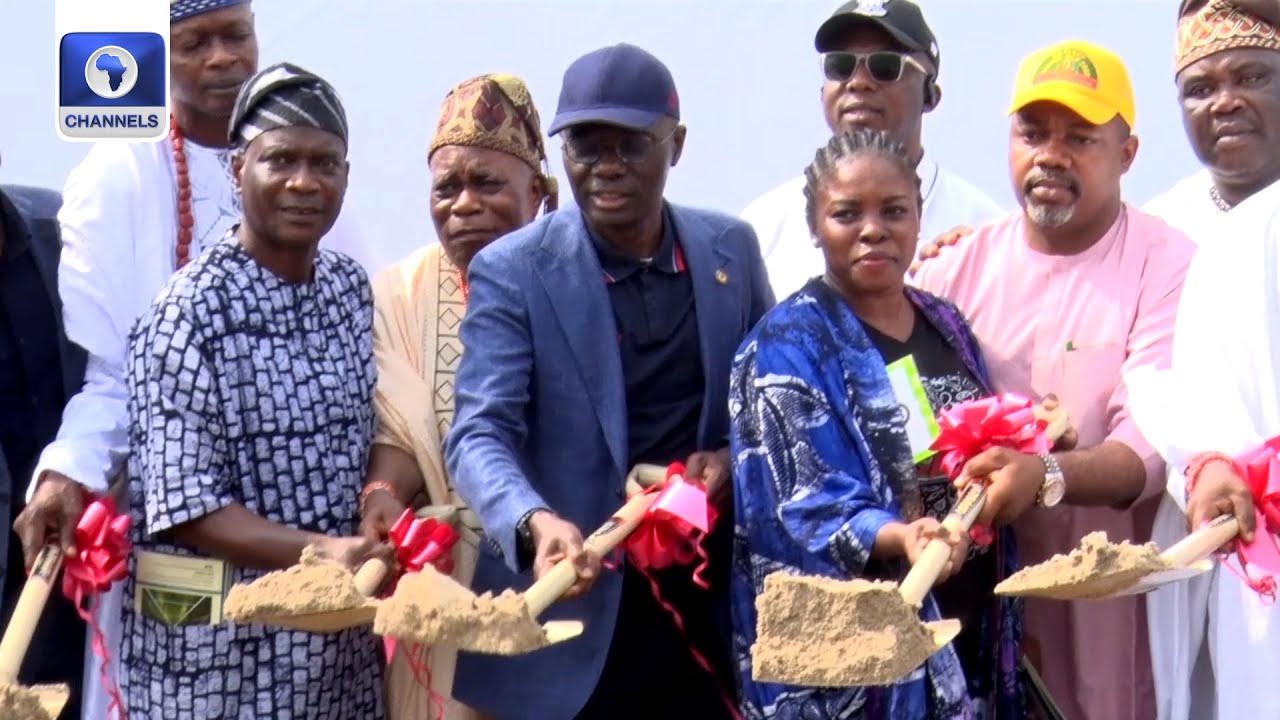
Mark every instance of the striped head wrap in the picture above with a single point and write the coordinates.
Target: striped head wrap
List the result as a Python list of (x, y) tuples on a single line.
[(180, 10), (285, 95), (496, 112), (1220, 25)]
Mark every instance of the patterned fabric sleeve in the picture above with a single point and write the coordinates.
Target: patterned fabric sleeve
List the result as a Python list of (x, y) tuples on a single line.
[(178, 412), (798, 461)]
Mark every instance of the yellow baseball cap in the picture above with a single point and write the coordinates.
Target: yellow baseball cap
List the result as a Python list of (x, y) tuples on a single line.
[(1087, 79)]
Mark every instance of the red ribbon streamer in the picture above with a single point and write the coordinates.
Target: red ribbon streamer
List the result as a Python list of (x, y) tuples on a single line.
[(1260, 560), (671, 533), (969, 429), (101, 560), (420, 542)]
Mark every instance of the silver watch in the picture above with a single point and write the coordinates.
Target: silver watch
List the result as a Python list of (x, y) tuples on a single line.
[(1055, 484)]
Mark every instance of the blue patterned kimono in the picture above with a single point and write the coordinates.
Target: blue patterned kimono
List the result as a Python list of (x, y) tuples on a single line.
[(811, 492)]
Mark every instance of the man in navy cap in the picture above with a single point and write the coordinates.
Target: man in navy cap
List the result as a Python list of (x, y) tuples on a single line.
[(880, 65), (598, 338)]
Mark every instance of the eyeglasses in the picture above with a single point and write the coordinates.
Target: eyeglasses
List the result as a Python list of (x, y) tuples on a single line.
[(632, 147), (883, 66)]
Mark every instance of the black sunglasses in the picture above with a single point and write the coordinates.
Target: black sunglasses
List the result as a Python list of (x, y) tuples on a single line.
[(632, 147), (884, 66)]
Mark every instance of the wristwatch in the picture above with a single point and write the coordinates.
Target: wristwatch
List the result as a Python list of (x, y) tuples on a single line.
[(1055, 484)]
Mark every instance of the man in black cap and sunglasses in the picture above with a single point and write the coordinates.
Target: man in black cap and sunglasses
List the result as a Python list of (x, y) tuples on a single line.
[(880, 63)]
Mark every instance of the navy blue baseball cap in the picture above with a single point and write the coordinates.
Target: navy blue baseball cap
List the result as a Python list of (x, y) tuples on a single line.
[(617, 85)]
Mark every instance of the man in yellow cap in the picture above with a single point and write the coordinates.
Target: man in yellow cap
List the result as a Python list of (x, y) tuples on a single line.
[(1066, 295)]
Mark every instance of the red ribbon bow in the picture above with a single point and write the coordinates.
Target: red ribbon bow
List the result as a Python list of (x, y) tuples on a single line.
[(1260, 560), (101, 560), (420, 542), (423, 541), (968, 429)]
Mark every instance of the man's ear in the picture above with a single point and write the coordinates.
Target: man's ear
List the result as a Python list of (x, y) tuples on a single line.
[(932, 94), (237, 167), (677, 143)]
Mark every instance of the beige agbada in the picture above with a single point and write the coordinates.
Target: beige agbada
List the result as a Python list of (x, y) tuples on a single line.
[(419, 304)]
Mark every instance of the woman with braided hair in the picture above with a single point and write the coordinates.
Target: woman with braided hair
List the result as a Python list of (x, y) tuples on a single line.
[(826, 479)]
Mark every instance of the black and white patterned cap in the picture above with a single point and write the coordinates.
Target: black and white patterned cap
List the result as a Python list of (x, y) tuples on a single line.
[(285, 95)]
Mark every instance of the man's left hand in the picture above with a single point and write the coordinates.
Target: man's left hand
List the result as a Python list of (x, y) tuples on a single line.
[(712, 468), (1014, 482)]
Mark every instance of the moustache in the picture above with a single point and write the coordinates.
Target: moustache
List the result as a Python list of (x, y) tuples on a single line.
[(1056, 177)]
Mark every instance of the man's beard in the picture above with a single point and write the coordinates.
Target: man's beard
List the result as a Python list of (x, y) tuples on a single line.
[(1050, 216)]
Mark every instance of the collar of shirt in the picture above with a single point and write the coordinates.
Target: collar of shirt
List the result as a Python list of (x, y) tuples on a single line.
[(16, 240), (618, 267)]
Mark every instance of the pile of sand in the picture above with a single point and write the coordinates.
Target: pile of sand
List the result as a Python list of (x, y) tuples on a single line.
[(1095, 569), (314, 585), (22, 703), (433, 609), (822, 632)]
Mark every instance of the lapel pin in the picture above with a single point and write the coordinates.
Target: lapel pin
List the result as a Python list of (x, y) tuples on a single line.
[(722, 277)]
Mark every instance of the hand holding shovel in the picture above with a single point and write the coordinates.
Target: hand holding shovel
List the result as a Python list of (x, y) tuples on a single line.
[(432, 609), (870, 632), (26, 703)]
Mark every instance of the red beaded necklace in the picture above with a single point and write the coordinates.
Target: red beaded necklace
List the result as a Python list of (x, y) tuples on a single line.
[(462, 285), (186, 222)]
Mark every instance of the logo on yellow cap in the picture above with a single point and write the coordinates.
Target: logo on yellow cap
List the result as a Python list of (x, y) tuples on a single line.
[(1068, 65)]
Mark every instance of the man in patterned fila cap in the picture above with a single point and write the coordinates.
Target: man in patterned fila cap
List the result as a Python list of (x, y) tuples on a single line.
[(251, 383), (1211, 637), (488, 178), (1227, 69)]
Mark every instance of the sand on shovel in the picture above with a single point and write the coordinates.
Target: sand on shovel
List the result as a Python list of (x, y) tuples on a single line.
[(41, 702), (1096, 569), (433, 609), (301, 596), (822, 632)]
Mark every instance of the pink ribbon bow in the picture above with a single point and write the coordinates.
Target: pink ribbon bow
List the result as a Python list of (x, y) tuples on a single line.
[(1260, 560), (670, 534), (968, 429), (420, 542), (673, 528), (101, 560)]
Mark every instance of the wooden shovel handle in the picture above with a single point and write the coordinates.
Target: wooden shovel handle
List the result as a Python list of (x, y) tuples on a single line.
[(26, 614), (559, 579), (926, 569), (370, 576), (1203, 542)]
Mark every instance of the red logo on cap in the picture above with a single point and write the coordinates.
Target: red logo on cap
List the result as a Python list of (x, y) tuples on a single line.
[(673, 102)]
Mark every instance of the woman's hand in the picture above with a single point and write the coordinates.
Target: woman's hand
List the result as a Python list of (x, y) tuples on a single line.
[(352, 552), (920, 533)]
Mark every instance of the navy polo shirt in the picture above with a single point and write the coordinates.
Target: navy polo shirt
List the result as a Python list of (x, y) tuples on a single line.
[(657, 324)]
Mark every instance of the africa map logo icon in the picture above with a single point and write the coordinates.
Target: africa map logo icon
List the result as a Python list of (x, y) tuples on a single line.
[(111, 72)]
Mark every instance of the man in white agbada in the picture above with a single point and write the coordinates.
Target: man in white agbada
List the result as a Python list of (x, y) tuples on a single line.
[(1228, 76), (880, 62), (131, 215)]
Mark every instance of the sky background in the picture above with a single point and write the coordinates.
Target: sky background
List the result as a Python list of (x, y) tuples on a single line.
[(746, 70)]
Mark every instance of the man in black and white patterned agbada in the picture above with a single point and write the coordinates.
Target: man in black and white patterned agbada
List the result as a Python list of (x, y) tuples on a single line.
[(251, 384)]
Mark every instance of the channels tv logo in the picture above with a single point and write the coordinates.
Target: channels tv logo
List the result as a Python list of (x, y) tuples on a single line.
[(112, 85)]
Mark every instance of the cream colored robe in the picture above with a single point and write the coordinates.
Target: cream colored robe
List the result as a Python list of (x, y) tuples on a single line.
[(419, 306)]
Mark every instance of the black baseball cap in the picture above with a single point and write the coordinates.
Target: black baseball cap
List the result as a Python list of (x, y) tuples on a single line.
[(901, 19)]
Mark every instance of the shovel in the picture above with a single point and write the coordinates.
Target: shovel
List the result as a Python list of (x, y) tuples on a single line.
[(25, 703), (821, 632), (431, 608), (1183, 560), (254, 603), (1189, 557)]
